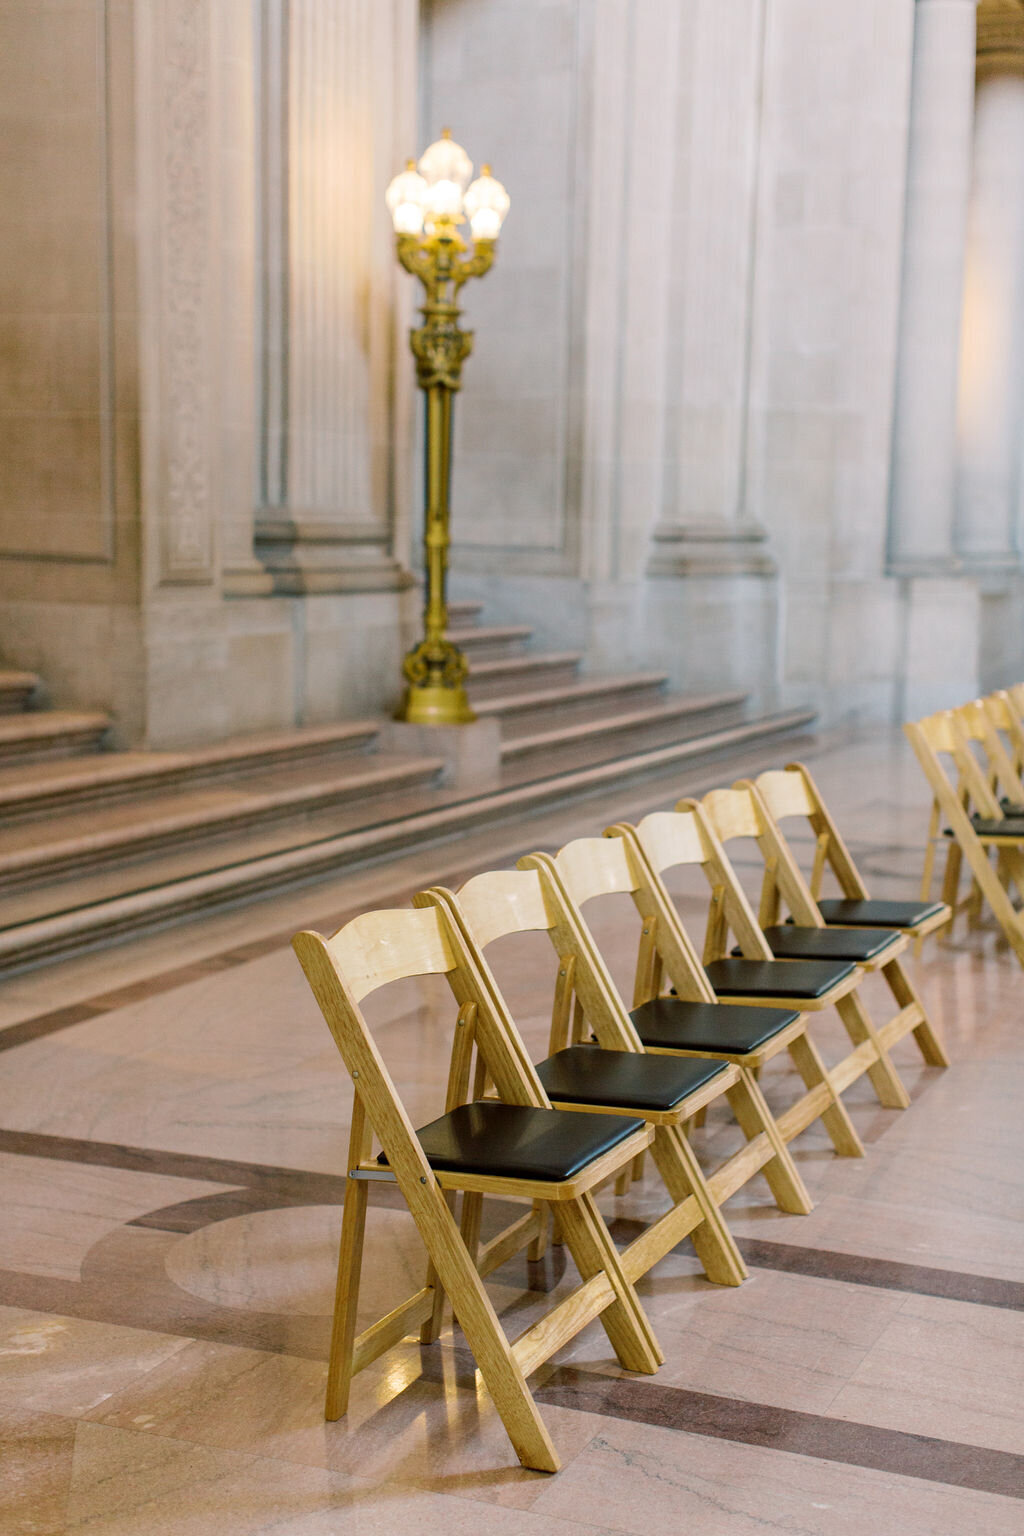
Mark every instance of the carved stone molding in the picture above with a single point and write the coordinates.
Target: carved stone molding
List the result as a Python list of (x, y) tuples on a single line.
[(174, 153), (714, 548), (308, 554)]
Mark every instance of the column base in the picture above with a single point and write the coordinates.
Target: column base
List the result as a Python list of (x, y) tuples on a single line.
[(942, 627)]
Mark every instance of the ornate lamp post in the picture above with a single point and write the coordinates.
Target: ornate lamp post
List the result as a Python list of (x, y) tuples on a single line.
[(427, 204)]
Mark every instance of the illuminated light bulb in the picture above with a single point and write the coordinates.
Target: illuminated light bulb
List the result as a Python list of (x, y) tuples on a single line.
[(444, 199), (408, 219), (405, 198), (487, 203)]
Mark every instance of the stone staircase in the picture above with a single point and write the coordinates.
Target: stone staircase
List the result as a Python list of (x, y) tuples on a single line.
[(97, 843)]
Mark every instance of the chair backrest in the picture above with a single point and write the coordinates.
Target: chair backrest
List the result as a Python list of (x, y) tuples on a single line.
[(791, 791), (975, 722), (1006, 718), (592, 866), (740, 812), (497, 904), (372, 951), (669, 839), (942, 736)]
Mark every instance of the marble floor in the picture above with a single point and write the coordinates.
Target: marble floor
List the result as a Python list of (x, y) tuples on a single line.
[(173, 1123)]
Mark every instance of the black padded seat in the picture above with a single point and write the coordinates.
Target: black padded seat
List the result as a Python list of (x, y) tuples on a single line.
[(671, 1023), (792, 942), (516, 1141), (878, 914), (989, 826), (585, 1074), (776, 978)]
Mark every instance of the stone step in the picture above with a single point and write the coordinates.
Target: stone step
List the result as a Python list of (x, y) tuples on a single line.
[(608, 734), (493, 642), (16, 690), (55, 733), (535, 709), (125, 833), (115, 776), (517, 674), (105, 906)]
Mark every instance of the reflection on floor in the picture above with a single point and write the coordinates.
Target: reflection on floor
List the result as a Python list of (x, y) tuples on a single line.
[(173, 1122)]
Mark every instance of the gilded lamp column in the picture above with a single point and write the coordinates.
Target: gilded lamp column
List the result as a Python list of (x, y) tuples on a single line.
[(428, 203)]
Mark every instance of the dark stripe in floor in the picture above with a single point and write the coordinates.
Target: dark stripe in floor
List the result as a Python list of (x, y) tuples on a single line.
[(888, 1274), (272, 1187), (786, 1429)]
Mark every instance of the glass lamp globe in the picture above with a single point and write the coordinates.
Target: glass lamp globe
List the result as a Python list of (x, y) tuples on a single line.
[(444, 160), (487, 203), (406, 198)]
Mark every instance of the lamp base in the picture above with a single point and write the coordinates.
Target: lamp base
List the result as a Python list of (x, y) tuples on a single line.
[(435, 705)]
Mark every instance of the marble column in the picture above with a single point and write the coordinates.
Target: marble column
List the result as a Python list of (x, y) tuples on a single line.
[(339, 117), (992, 364), (938, 187)]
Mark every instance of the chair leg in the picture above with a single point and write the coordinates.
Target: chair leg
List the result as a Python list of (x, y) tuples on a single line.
[(714, 1244), (951, 882), (539, 1244), (483, 1332), (624, 1320), (885, 1080), (346, 1300), (834, 1118), (905, 994), (754, 1118)]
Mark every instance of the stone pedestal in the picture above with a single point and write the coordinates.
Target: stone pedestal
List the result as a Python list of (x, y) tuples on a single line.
[(472, 753)]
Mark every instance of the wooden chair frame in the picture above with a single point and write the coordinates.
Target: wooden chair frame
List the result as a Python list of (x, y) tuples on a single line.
[(494, 905), (587, 1000), (791, 791), (740, 812), (1007, 707), (933, 738), (591, 867), (666, 839), (368, 953)]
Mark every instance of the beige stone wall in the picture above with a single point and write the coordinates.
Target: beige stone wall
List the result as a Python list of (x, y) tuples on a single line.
[(144, 568), (69, 506)]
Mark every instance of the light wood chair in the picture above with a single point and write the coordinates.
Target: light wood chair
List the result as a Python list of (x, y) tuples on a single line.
[(1007, 709), (740, 812), (700, 1019), (1009, 732), (616, 1075), (975, 823), (519, 1148), (791, 792)]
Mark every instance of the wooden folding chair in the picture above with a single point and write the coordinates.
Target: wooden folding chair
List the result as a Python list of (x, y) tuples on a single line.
[(699, 1020), (977, 723), (519, 1148), (753, 979), (788, 792), (616, 1076), (1008, 717), (976, 823)]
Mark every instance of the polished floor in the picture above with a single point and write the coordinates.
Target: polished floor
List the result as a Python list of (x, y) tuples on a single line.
[(173, 1120)]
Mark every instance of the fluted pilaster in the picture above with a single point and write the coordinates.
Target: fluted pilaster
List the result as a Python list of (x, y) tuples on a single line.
[(990, 476), (938, 187), (339, 102)]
